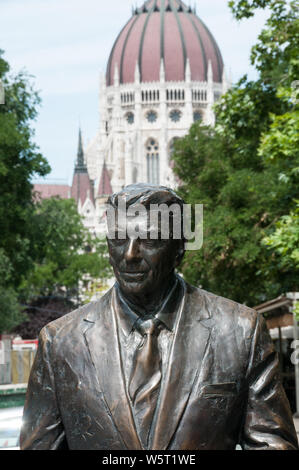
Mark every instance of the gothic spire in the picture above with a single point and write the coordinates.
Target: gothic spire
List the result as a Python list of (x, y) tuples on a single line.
[(80, 164)]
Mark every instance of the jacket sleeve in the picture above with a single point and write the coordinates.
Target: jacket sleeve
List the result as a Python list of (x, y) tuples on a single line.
[(268, 422), (42, 427)]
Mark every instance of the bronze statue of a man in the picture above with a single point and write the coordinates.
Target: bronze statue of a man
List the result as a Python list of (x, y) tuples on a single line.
[(155, 363)]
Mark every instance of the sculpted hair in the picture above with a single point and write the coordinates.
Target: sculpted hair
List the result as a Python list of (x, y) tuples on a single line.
[(146, 194)]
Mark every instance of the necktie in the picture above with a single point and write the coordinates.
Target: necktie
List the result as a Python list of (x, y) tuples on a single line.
[(145, 378)]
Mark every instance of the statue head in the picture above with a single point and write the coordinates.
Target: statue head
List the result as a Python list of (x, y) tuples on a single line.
[(147, 243)]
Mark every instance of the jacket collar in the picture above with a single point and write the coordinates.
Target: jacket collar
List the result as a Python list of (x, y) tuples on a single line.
[(167, 314)]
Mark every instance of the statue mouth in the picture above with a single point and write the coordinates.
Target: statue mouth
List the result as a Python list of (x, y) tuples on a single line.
[(133, 275)]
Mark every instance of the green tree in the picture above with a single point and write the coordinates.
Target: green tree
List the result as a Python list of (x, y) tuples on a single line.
[(66, 255), (285, 240), (233, 170), (20, 160)]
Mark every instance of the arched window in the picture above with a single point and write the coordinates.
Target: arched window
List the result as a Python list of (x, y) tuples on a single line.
[(130, 118), (197, 116), (175, 115), (151, 116), (153, 162)]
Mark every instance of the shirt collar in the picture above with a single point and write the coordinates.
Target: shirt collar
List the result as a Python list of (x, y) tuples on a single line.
[(167, 314)]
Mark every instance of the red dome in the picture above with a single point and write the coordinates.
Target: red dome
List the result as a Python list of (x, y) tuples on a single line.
[(169, 30)]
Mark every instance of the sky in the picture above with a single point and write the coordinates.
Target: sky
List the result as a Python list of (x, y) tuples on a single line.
[(65, 46)]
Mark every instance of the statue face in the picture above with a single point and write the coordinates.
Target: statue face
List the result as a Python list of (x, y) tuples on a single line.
[(141, 266)]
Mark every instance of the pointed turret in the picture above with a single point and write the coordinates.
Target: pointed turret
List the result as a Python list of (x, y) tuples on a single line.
[(82, 187), (105, 188), (80, 166)]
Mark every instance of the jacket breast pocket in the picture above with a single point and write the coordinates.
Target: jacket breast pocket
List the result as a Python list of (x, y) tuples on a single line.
[(225, 389)]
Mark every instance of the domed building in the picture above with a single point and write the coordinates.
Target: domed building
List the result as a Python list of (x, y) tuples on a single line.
[(165, 71)]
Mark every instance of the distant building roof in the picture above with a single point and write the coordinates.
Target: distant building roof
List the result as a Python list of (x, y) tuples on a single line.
[(82, 188), (46, 191), (277, 312)]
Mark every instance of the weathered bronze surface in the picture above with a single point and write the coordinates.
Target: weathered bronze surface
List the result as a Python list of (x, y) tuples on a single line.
[(202, 376)]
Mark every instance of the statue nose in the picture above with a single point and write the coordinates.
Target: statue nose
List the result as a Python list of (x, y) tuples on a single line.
[(132, 250)]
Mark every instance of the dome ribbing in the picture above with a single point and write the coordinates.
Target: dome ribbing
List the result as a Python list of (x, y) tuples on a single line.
[(165, 30)]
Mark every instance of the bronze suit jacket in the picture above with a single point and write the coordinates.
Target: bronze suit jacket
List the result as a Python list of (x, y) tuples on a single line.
[(221, 387)]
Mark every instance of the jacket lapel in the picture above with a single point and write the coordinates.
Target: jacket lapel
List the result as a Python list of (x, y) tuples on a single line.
[(191, 339), (101, 337)]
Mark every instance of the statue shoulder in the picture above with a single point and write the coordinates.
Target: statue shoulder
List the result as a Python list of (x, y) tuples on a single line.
[(74, 322), (220, 308)]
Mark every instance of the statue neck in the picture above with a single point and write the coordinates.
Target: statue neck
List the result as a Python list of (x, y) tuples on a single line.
[(151, 303)]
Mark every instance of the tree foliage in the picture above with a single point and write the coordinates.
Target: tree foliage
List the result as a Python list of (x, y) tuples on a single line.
[(10, 310), (66, 255), (42, 311), (245, 170), (20, 160), (285, 240), (44, 248)]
